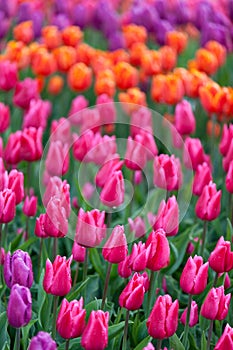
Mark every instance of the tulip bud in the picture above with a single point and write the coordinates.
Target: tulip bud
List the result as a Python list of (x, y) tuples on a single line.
[(209, 203), (168, 217), (7, 206), (137, 226), (61, 131), (37, 114), (12, 153), (55, 221), (78, 104), (124, 268), (112, 164), (112, 194), (163, 320), (132, 295), (25, 91), (2, 255), (31, 148), (221, 258), (141, 119), (193, 153), (202, 177), (138, 177), (136, 153), (115, 249), (57, 278), (42, 341), (78, 252), (39, 227), (167, 172), (229, 178), (71, 319), (4, 117), (16, 184), (185, 122), (19, 309), (225, 342), (193, 319), (139, 257), (227, 136), (18, 269), (57, 160), (159, 250), (193, 279), (216, 304), (59, 189), (95, 335), (30, 206), (8, 75)]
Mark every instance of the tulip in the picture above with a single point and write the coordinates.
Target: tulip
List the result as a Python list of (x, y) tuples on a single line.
[(137, 226), (31, 144), (2, 256), (71, 319), (82, 145), (78, 252), (193, 279), (124, 269), (61, 131), (229, 178), (106, 108), (159, 251), (193, 319), (209, 203), (149, 347), (42, 341), (25, 91), (225, 342), (18, 269), (112, 194), (111, 165), (168, 217), (57, 278), (16, 184), (90, 229), (136, 153), (7, 206), (102, 148), (37, 114), (185, 122), (91, 120), (163, 320), (97, 328), (216, 304), (193, 153), (19, 309), (59, 189), (57, 160), (4, 117), (78, 104), (147, 140), (30, 206), (228, 157), (139, 257), (115, 249), (39, 227), (227, 136), (12, 153), (221, 258), (202, 177), (55, 221), (8, 75), (132, 295), (166, 172), (141, 119)]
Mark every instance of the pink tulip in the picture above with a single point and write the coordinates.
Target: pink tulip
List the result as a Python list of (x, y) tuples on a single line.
[(60, 189), (167, 172), (30, 206), (193, 153), (159, 251), (102, 148), (4, 117), (136, 153), (132, 295), (185, 122), (193, 319), (221, 258), (97, 330), (39, 227), (8, 75), (7, 206), (137, 226), (78, 104), (37, 114), (12, 153), (25, 91), (61, 131), (115, 249), (141, 119), (91, 120), (225, 342), (139, 257), (124, 269), (168, 217), (16, 184), (106, 108), (112, 194), (229, 178), (55, 222), (227, 136), (78, 252), (209, 203), (202, 177), (216, 304), (31, 144), (111, 164), (228, 157), (82, 145), (57, 160)]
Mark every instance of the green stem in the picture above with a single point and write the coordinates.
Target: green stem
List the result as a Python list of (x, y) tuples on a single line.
[(109, 218), (28, 177), (55, 247), (106, 285), (204, 237), (124, 345), (215, 280), (85, 266), (76, 275), (153, 278), (67, 344), (186, 328), (26, 228), (40, 256), (210, 334), (17, 339), (159, 344), (55, 304)]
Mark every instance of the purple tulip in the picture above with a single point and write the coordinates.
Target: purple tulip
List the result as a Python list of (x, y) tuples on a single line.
[(80, 15), (42, 341), (18, 269), (19, 309)]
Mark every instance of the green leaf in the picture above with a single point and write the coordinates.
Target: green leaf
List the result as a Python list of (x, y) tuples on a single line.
[(72, 345), (25, 333), (45, 312), (204, 323), (15, 243), (116, 329), (229, 233), (97, 263), (74, 294), (143, 343), (93, 305), (4, 336), (28, 243), (175, 343), (192, 342), (203, 341)]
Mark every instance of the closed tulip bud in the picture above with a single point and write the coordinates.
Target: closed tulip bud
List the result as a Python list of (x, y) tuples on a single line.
[(163, 320), (132, 295), (185, 122), (57, 278), (227, 282), (193, 319), (18, 269), (19, 309), (12, 153), (166, 172), (61, 131), (37, 114), (193, 279), (227, 136), (78, 104), (25, 91), (229, 178), (30, 206), (225, 342), (146, 280), (31, 144), (102, 147), (124, 269), (141, 119), (59, 189), (56, 221), (97, 330), (42, 341), (71, 319), (16, 184), (4, 117), (159, 250), (193, 153), (216, 304), (78, 252), (115, 249), (209, 203), (8, 75), (82, 145), (137, 226), (147, 140), (39, 227), (7, 206), (112, 164), (202, 177), (221, 258), (138, 257), (168, 217), (112, 194), (57, 160), (4, 179), (228, 157), (90, 229), (136, 153)]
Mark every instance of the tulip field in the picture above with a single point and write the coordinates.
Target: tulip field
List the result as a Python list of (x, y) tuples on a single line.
[(116, 174)]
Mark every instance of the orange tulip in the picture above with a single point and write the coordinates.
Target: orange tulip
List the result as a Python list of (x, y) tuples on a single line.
[(105, 83), (85, 53), (192, 64), (209, 96), (132, 99), (134, 34), (55, 85), (24, 32), (72, 36), (126, 76), (100, 62), (51, 37), (17, 52), (218, 50), (40, 82), (119, 55), (167, 89), (43, 62), (65, 57), (79, 77), (168, 58), (151, 62), (206, 61), (194, 80), (137, 51), (177, 41)]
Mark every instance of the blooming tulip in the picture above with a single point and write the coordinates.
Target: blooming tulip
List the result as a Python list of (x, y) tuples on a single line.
[(112, 194), (19, 309), (137, 226), (55, 221), (59, 189), (139, 257), (225, 342), (37, 114), (193, 319), (136, 153), (95, 335), (8, 75), (166, 172), (71, 319), (185, 122), (209, 203), (132, 295), (202, 177), (115, 249), (216, 304), (7, 205), (221, 258), (42, 341), (18, 269), (168, 217), (193, 279), (112, 164), (61, 131), (16, 184), (159, 251), (30, 206), (25, 91), (57, 160), (163, 320), (124, 269), (31, 144), (57, 278)]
